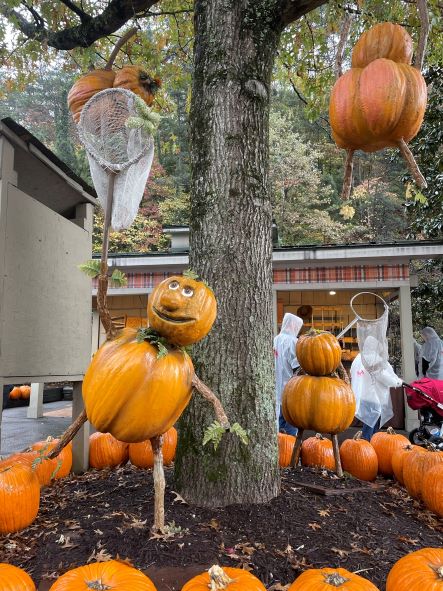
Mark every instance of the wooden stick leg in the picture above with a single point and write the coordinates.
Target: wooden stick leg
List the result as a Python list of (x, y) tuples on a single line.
[(159, 485), (347, 181), (69, 434), (336, 448), (412, 164), (297, 448)]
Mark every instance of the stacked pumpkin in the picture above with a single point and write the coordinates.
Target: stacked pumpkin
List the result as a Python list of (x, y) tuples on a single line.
[(20, 393), (319, 401)]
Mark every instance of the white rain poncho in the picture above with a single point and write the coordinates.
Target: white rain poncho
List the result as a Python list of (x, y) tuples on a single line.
[(432, 351), (284, 353), (371, 378)]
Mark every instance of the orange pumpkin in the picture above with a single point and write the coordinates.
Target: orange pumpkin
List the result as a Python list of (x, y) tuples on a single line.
[(19, 497), (432, 489), (105, 451), (113, 574), (85, 88), (136, 79), (318, 352), (13, 578), (325, 579), (418, 571), (318, 452), (224, 579), (15, 393), (182, 309), (386, 40), (385, 444), (25, 392), (358, 457), (398, 458), (142, 456), (132, 392), (415, 467), (285, 448), (322, 404), (55, 469)]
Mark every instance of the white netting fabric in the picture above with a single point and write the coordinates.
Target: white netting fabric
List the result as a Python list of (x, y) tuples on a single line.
[(372, 340), (114, 148)]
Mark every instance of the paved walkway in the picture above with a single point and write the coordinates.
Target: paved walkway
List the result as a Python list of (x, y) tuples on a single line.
[(18, 432)]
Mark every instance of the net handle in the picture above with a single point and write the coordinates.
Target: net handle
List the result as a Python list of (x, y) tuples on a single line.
[(358, 317)]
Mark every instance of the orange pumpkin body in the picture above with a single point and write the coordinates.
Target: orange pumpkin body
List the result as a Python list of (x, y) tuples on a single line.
[(135, 78), (15, 393), (13, 578), (398, 459), (419, 571), (330, 579), (85, 88), (385, 444), (182, 310), (113, 575), (432, 489), (105, 451), (57, 468), (285, 448), (386, 40), (19, 497), (319, 353), (131, 393), (25, 392), (322, 404), (415, 467), (142, 456), (242, 580), (318, 452), (358, 457)]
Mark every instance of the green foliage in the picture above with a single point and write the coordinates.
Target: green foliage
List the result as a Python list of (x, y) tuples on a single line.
[(91, 268), (118, 278), (240, 432), (214, 434), (427, 297), (152, 336)]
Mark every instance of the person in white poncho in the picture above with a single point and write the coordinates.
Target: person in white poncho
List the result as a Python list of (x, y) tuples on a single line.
[(432, 354), (371, 379)]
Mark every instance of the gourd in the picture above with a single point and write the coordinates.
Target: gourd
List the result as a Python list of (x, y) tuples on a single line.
[(318, 352), (318, 452), (105, 451), (325, 579), (224, 579), (19, 497), (142, 455), (385, 444), (358, 457), (418, 571), (285, 448), (13, 578)]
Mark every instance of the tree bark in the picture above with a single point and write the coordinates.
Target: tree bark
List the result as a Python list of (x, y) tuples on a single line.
[(231, 248)]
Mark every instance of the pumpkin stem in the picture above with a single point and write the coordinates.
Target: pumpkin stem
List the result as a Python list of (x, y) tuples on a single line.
[(319, 436), (347, 181), (335, 579), (159, 485), (412, 164), (390, 431), (118, 46), (439, 572), (218, 579), (97, 585), (357, 436)]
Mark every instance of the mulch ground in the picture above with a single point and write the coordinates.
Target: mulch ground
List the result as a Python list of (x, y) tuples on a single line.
[(105, 514)]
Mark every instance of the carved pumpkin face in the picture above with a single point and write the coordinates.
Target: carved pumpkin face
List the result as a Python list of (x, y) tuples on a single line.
[(182, 310)]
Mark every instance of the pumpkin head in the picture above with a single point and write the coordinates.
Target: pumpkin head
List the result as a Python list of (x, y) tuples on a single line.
[(182, 309), (15, 393), (114, 575), (318, 453), (318, 352), (419, 571), (386, 40), (142, 456), (432, 489), (398, 459), (132, 392), (358, 457), (330, 579), (385, 444), (105, 451), (224, 579), (136, 79), (86, 87), (415, 467), (57, 468), (19, 497), (285, 448), (13, 578), (322, 404)]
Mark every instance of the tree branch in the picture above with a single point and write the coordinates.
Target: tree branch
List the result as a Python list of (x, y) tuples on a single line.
[(344, 34), (424, 32), (84, 17), (291, 10), (118, 46)]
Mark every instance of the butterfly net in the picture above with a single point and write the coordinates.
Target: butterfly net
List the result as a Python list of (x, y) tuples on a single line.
[(118, 139), (372, 340)]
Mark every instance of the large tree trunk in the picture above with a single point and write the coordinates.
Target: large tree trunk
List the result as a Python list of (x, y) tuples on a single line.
[(231, 248)]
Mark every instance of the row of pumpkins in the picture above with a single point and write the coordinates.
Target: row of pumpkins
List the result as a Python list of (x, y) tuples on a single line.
[(421, 570), (20, 393)]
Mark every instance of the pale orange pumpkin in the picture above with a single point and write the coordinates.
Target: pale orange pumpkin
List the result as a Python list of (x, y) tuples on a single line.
[(358, 457), (285, 448), (224, 579), (330, 579), (318, 452), (25, 392), (318, 352), (15, 393), (386, 40), (142, 456), (13, 578), (432, 489), (418, 571), (19, 497), (182, 309), (136, 79), (113, 574), (105, 451), (385, 443), (398, 458), (415, 467), (85, 88)]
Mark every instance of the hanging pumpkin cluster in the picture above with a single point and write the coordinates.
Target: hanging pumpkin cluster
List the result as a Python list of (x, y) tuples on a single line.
[(380, 102)]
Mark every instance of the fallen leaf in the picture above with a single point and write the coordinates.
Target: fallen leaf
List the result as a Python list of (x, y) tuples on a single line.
[(341, 553), (279, 587), (324, 513), (408, 540), (314, 525), (178, 498)]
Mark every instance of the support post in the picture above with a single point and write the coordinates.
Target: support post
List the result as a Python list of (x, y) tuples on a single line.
[(407, 349), (35, 408), (80, 443), (1, 410), (297, 449), (336, 448)]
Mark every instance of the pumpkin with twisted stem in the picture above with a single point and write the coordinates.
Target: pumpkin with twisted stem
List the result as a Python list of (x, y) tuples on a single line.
[(330, 579), (419, 571)]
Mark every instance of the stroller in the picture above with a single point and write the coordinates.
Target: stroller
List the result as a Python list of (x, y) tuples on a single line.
[(426, 396)]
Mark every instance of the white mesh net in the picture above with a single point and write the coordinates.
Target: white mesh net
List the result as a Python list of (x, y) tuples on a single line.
[(114, 148)]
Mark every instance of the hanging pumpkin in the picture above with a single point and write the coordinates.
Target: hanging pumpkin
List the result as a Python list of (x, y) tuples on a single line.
[(25, 392), (318, 452), (142, 456), (105, 451), (182, 309), (113, 574), (285, 448), (358, 457), (418, 571), (318, 352), (19, 497), (55, 469), (15, 393), (224, 579), (398, 458), (432, 489), (13, 578), (322, 404), (385, 443), (386, 40), (136, 79), (132, 392), (85, 88), (330, 579), (415, 467)]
